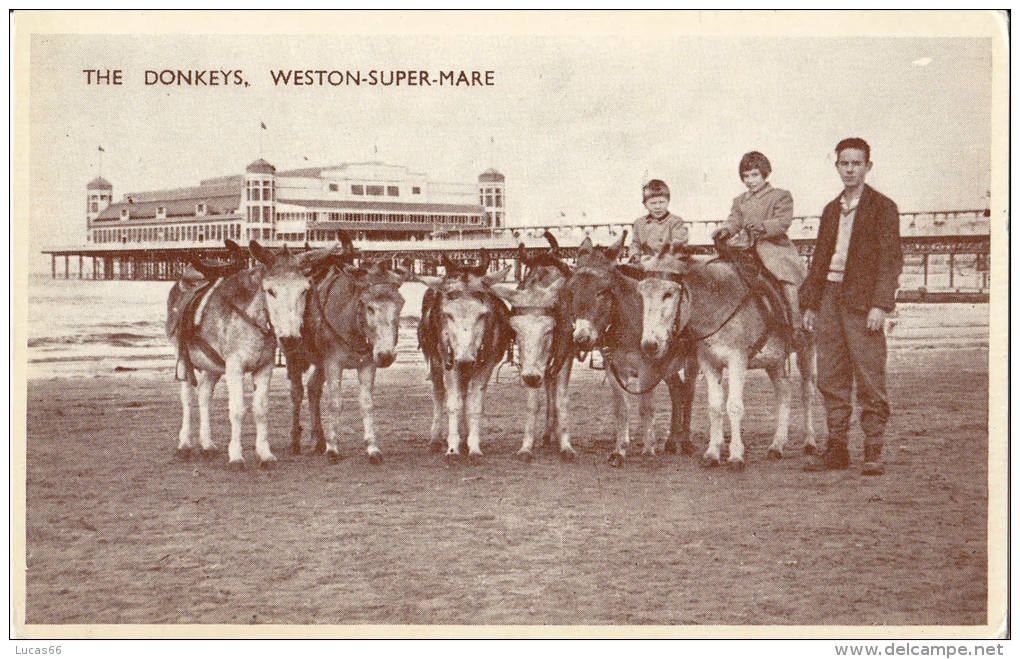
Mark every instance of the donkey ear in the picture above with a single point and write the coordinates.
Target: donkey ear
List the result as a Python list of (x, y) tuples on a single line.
[(285, 252), (554, 246), (505, 291), (586, 246), (497, 276), (232, 247), (614, 249), (631, 271), (261, 254)]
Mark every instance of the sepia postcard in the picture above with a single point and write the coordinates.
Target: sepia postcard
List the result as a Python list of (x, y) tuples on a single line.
[(439, 263)]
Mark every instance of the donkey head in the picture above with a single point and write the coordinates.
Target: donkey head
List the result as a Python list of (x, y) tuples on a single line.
[(590, 291), (533, 318), (380, 302), (664, 298), (285, 282), (467, 313)]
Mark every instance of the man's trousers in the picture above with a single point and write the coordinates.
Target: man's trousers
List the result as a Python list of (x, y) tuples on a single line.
[(847, 352)]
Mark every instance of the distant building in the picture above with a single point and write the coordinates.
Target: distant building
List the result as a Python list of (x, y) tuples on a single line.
[(370, 200)]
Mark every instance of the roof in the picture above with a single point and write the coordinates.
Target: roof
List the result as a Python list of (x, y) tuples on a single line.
[(219, 199), (384, 206), (491, 176), (99, 183), (356, 226), (260, 166)]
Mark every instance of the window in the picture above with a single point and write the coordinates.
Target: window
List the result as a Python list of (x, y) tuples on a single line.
[(200, 209), (499, 198), (392, 191), (123, 213), (488, 199), (255, 193), (415, 190), (358, 189), (481, 198), (94, 207), (265, 234), (333, 187), (374, 190)]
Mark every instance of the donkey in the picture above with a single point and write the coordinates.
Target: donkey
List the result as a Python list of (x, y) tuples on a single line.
[(732, 332), (540, 319), (351, 322), (233, 332), (606, 309), (464, 333)]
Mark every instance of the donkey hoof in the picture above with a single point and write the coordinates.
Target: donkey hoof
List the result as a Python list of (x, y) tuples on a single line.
[(709, 462), (774, 454), (436, 447), (687, 448), (568, 454), (547, 439), (474, 458), (375, 458), (320, 448), (333, 457), (236, 465), (525, 456), (184, 453), (735, 465), (616, 460), (209, 453), (670, 446), (809, 449), (267, 464), (451, 456)]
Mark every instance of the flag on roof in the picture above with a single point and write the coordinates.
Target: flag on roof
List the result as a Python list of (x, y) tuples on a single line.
[(102, 149), (263, 125)]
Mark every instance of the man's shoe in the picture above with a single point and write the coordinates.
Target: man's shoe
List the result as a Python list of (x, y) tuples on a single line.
[(873, 461), (835, 456)]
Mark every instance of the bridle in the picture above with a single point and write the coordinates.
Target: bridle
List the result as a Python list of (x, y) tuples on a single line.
[(556, 357), (365, 347)]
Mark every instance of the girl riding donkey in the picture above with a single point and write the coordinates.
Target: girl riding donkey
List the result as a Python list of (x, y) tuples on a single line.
[(764, 213)]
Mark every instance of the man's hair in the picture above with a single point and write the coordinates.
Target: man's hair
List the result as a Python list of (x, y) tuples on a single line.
[(755, 160), (854, 143), (654, 188)]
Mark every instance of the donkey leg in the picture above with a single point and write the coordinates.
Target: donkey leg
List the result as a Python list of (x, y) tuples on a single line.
[(206, 385), (454, 408), (646, 422), (621, 414), (184, 436), (260, 406), (681, 396), (475, 413), (562, 403), (334, 406), (735, 408), (550, 411), (784, 394), (366, 381), (808, 367), (438, 407), (315, 384), (297, 394), (530, 423), (716, 415)]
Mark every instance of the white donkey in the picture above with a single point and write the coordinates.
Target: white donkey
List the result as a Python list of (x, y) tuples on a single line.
[(731, 331), (464, 333), (231, 330)]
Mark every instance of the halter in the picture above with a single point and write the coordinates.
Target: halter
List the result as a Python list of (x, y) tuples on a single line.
[(556, 360)]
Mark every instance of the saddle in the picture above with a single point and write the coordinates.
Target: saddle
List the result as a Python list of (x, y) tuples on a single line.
[(195, 282), (766, 291)]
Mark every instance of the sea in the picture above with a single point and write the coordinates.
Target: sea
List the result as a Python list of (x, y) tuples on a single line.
[(87, 328)]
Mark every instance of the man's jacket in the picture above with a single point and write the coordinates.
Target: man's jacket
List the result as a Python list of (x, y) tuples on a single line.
[(874, 259)]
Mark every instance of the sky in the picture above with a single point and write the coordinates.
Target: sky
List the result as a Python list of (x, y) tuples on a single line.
[(575, 124)]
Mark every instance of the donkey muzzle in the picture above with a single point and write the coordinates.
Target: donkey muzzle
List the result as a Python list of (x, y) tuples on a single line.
[(651, 348), (532, 380), (384, 359)]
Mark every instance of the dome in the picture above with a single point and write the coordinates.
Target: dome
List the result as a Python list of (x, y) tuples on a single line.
[(260, 166), (99, 183), (491, 176)]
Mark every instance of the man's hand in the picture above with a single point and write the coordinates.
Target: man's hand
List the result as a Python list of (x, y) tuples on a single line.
[(808, 318), (876, 319)]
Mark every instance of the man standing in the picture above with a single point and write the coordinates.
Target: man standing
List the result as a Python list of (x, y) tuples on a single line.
[(850, 287)]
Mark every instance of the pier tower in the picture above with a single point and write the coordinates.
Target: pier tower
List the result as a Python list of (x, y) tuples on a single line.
[(99, 197), (491, 195), (259, 200)]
